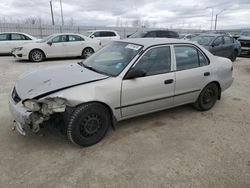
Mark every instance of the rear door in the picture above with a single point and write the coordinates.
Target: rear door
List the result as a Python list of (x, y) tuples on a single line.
[(17, 40), (192, 73), (218, 48), (4, 43), (229, 46), (155, 90), (75, 45)]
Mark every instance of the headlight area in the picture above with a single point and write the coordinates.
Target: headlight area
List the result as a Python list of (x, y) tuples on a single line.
[(43, 109)]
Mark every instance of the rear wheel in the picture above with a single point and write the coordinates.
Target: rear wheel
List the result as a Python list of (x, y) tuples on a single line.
[(234, 56), (207, 97), (88, 124), (36, 56), (87, 52)]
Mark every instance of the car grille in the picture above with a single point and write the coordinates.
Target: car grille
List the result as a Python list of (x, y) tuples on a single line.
[(245, 43), (15, 96)]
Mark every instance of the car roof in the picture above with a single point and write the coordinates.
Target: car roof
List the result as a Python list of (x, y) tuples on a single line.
[(212, 34), (146, 42), (101, 30)]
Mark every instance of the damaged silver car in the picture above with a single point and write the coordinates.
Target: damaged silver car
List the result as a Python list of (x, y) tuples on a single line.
[(124, 79)]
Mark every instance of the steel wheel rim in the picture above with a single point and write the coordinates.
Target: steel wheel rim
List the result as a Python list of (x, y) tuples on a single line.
[(208, 96), (90, 125), (37, 56)]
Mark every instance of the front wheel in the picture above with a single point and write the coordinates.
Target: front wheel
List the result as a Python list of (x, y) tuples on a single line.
[(87, 52), (36, 56), (207, 97), (88, 124)]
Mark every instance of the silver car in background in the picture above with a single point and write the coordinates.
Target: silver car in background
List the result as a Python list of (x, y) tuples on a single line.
[(125, 79)]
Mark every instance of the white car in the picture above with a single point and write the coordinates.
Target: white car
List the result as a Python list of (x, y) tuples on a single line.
[(58, 45), (10, 40), (104, 35)]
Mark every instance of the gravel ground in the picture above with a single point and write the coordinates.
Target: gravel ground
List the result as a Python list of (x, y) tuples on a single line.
[(180, 147)]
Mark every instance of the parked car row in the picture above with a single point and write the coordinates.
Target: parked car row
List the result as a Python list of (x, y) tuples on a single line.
[(26, 47)]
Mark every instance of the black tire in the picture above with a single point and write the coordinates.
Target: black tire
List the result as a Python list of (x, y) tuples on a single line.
[(207, 97), (234, 56), (88, 124), (36, 55), (87, 52)]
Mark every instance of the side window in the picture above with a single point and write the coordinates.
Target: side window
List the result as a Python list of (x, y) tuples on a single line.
[(111, 34), (15, 36), (186, 57), (155, 61), (228, 40), (75, 38), (218, 41), (161, 34), (26, 37), (3, 37), (151, 34), (60, 38), (202, 59)]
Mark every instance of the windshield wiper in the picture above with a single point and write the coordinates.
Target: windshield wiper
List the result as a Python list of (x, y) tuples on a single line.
[(93, 69)]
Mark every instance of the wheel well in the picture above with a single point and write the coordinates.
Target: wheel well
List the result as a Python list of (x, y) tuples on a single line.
[(219, 87), (39, 50), (87, 48), (112, 117)]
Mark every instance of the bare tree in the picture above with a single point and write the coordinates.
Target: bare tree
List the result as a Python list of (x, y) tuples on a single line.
[(71, 22)]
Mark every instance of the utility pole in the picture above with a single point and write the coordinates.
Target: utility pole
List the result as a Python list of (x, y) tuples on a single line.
[(52, 15), (216, 19), (61, 12), (212, 18)]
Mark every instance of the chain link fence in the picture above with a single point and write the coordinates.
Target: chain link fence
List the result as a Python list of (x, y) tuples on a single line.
[(41, 31)]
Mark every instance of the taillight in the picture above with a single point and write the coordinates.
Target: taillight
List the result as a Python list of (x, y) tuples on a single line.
[(232, 67)]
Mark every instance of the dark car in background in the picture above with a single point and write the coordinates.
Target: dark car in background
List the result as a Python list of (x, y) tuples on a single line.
[(220, 45), (154, 34), (244, 39)]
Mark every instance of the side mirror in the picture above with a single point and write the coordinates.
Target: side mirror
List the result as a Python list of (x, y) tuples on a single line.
[(135, 73), (92, 36), (49, 43)]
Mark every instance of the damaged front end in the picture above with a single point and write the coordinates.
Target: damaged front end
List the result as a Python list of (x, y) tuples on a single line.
[(42, 110), (34, 113)]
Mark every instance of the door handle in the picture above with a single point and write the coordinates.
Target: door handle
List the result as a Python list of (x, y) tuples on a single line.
[(207, 74), (170, 81)]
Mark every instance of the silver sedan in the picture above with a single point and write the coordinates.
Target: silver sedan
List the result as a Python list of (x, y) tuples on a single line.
[(124, 79)]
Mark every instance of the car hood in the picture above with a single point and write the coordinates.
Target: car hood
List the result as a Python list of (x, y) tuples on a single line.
[(244, 38), (48, 80)]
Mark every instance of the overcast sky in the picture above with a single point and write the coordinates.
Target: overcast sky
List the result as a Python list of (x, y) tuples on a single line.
[(194, 14)]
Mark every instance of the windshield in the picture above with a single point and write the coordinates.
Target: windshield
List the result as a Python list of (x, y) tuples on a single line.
[(139, 34), (46, 39), (113, 58), (245, 33), (203, 40)]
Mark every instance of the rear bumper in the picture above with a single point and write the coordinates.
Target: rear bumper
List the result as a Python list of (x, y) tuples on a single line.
[(227, 84), (245, 51), (19, 55)]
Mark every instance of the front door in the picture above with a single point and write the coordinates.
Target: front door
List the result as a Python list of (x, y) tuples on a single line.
[(58, 48), (155, 90)]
